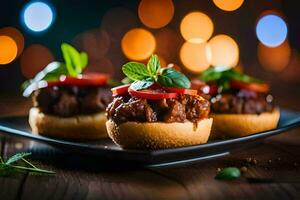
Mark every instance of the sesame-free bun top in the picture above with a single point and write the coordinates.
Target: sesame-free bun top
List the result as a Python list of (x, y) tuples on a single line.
[(238, 125), (159, 135), (84, 127)]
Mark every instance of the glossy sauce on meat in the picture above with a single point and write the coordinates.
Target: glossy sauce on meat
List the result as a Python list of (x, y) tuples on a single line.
[(66, 101), (181, 109)]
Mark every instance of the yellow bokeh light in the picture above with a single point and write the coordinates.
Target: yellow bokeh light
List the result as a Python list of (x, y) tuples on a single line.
[(274, 59), (34, 59), (228, 5), (195, 56), (196, 27), (16, 35), (224, 51), (138, 44), (8, 50), (156, 13)]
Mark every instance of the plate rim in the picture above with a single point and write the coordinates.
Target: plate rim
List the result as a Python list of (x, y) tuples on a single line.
[(159, 152)]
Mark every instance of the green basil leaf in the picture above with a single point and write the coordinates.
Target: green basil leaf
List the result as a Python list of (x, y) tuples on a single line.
[(69, 57), (51, 72), (169, 77), (211, 75), (229, 173), (135, 71), (143, 84), (16, 158), (75, 61), (84, 59), (234, 75), (153, 65)]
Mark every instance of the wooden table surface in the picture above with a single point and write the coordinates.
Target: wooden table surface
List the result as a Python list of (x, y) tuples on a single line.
[(275, 173)]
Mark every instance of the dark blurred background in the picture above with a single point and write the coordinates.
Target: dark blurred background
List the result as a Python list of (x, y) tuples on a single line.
[(193, 35)]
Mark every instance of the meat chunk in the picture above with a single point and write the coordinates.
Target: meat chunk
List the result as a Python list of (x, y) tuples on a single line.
[(67, 101), (185, 107), (241, 103)]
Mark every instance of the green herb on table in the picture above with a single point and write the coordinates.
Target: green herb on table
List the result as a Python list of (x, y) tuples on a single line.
[(143, 76), (74, 64), (12, 165), (229, 173)]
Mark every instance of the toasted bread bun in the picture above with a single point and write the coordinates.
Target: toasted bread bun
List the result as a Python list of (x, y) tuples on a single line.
[(158, 135), (237, 125), (77, 127)]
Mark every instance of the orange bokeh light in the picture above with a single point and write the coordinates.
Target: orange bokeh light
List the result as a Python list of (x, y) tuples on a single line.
[(138, 44), (194, 56), (224, 51), (156, 13), (274, 59), (196, 27), (34, 59), (16, 35), (8, 50), (228, 5)]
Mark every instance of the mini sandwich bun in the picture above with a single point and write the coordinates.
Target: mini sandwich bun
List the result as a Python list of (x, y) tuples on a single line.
[(85, 127), (158, 135), (237, 125)]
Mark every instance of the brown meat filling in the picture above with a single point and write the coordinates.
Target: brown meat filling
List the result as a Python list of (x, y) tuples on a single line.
[(66, 101), (185, 107), (242, 102)]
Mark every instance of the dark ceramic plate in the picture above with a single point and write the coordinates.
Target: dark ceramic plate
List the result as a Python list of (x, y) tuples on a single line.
[(107, 150)]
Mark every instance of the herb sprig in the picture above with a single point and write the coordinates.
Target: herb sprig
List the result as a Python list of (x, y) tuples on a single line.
[(11, 165), (73, 65), (228, 173), (224, 76), (143, 76)]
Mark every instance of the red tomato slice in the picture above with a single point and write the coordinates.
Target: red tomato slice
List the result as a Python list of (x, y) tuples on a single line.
[(120, 90), (182, 91), (152, 94), (256, 87), (90, 79)]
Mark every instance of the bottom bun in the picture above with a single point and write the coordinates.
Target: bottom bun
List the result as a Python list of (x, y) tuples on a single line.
[(158, 135), (237, 125), (77, 127)]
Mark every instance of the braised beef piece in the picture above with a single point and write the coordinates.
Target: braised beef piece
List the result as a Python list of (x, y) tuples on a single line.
[(66, 101), (242, 102), (185, 107)]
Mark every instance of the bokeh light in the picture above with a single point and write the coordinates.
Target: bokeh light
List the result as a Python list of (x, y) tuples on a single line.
[(194, 56), (228, 5), (162, 60), (16, 35), (138, 44), (196, 27), (95, 42), (34, 59), (102, 65), (38, 16), (224, 51), (169, 42), (156, 13), (274, 59), (8, 50), (271, 30)]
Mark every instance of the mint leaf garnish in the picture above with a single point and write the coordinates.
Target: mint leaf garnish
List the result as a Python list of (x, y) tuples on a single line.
[(169, 77), (144, 76), (135, 71)]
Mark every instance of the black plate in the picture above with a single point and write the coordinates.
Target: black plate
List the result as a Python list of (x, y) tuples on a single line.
[(105, 149)]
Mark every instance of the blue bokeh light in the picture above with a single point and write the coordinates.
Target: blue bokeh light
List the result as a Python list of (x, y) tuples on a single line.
[(271, 30), (38, 16)]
